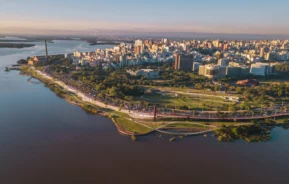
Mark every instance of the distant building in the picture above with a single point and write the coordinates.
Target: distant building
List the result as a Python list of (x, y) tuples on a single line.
[(37, 60), (236, 71), (77, 54), (223, 62), (82, 62), (122, 60), (138, 43), (184, 62), (260, 69), (262, 52), (196, 66), (149, 73), (226, 46), (67, 56), (212, 71), (137, 49)]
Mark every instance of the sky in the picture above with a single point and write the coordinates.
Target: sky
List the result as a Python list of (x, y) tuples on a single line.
[(209, 16)]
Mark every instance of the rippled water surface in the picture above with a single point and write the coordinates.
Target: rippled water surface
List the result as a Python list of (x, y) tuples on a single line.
[(43, 140)]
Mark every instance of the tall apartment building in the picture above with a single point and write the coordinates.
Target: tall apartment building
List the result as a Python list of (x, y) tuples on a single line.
[(184, 62), (137, 49), (262, 50)]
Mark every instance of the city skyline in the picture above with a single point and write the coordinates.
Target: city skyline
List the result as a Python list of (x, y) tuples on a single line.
[(222, 17)]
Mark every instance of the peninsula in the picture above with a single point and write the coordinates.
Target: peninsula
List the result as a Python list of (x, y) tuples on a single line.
[(168, 95)]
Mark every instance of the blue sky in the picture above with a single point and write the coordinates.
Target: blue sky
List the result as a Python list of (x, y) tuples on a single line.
[(222, 16)]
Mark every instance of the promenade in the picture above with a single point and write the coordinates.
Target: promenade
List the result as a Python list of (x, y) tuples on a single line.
[(148, 114)]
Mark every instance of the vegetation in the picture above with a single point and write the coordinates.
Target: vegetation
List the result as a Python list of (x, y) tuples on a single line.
[(250, 133), (126, 91), (283, 69), (90, 109), (131, 126), (188, 125), (15, 45)]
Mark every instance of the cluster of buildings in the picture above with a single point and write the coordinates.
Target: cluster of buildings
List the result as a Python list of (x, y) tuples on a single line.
[(233, 58), (126, 55), (211, 58)]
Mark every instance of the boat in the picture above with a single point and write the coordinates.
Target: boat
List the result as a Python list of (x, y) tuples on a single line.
[(7, 69)]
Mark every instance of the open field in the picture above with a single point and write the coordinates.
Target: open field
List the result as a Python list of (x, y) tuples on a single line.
[(189, 90), (198, 103), (131, 126), (188, 125)]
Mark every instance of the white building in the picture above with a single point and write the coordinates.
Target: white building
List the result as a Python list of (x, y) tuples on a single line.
[(260, 69), (196, 66), (149, 73), (77, 54), (138, 43)]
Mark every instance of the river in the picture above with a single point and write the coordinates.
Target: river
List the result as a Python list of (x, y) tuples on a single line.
[(45, 140)]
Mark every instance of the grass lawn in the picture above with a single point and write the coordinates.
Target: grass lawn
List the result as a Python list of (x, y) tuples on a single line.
[(120, 114), (193, 103), (187, 125), (131, 126), (185, 90)]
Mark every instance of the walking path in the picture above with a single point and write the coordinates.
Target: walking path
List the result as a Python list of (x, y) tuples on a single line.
[(85, 98), (144, 115)]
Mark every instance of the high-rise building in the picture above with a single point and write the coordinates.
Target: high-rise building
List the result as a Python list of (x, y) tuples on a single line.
[(223, 62), (184, 62), (137, 49), (221, 46), (216, 43), (226, 46), (267, 56), (138, 43), (262, 52), (165, 40), (122, 60)]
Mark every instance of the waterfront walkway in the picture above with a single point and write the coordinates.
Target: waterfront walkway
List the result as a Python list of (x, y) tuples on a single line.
[(149, 115)]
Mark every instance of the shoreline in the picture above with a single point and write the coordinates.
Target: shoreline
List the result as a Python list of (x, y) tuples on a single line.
[(103, 109), (16, 45), (124, 120)]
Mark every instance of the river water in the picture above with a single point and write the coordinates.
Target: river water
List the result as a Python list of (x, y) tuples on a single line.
[(43, 139)]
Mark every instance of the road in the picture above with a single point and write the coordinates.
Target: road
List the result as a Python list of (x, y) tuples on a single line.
[(147, 114)]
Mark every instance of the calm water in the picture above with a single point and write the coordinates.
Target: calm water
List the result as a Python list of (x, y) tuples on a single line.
[(43, 140)]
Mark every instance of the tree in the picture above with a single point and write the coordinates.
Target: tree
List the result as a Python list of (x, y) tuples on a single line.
[(239, 90), (120, 107), (149, 91), (232, 108), (280, 92)]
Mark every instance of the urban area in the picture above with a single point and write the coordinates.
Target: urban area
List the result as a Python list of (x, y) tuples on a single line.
[(177, 87)]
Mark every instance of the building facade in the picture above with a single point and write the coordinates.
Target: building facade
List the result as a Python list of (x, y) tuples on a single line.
[(184, 62)]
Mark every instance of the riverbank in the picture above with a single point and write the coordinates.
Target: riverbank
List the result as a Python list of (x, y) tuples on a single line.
[(127, 122), (75, 97)]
